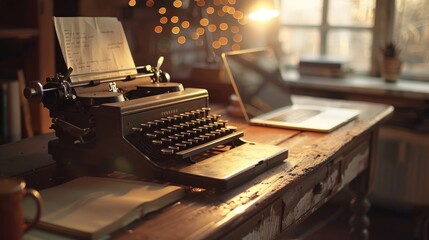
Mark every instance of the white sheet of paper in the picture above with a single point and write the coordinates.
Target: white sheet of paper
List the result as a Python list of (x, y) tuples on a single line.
[(94, 46)]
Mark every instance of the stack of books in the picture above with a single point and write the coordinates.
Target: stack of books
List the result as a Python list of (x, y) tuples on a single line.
[(324, 66)]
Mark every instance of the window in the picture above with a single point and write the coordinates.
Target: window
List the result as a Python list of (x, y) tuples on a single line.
[(356, 29), (341, 28), (412, 35)]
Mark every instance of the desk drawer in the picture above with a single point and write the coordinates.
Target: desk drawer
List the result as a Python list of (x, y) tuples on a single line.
[(263, 225), (303, 199), (320, 185)]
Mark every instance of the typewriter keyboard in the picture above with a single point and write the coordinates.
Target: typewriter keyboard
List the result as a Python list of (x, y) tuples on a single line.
[(183, 136)]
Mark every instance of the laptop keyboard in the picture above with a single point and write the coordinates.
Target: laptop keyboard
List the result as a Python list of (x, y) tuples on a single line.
[(296, 115)]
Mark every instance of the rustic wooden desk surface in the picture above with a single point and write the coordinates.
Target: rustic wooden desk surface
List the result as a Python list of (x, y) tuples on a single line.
[(319, 165)]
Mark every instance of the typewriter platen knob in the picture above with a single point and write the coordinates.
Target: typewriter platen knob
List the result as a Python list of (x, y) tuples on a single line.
[(34, 91)]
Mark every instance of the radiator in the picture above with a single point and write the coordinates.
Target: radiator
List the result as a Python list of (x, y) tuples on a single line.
[(402, 168)]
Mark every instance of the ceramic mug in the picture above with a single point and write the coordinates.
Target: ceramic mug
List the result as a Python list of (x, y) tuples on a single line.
[(12, 193)]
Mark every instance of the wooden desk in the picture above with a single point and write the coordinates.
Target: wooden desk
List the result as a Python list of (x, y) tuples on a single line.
[(319, 166), (401, 178)]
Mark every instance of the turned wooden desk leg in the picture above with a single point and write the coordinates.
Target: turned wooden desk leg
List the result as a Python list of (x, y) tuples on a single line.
[(360, 204)]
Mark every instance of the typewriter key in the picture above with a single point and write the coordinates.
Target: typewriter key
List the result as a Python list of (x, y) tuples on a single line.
[(167, 151)]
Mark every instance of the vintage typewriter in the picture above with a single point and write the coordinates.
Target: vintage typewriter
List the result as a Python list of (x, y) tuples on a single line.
[(145, 125)]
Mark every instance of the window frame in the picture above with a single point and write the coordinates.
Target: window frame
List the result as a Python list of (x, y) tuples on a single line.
[(382, 32)]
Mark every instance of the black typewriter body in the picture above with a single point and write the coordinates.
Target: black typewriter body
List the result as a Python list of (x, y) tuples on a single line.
[(151, 128)]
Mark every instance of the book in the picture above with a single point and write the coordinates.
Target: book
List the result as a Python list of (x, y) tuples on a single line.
[(322, 72), (3, 113), (325, 61), (93, 207), (10, 110), (324, 66)]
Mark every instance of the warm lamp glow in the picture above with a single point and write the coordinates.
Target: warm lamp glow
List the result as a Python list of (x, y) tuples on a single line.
[(264, 14)]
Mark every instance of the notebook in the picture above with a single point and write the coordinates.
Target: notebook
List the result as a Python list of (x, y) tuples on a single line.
[(93, 207), (265, 97)]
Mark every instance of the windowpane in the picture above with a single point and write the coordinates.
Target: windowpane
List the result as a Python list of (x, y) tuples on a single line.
[(412, 34), (354, 45), (299, 42), (303, 12), (351, 12)]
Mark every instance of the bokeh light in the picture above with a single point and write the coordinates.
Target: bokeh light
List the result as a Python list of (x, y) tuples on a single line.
[(212, 28), (181, 39), (132, 3), (223, 26), (237, 38), (177, 3), (195, 36), (223, 41), (185, 24), (158, 29), (216, 44), (175, 30), (219, 18), (200, 3), (174, 19), (235, 47), (238, 15), (200, 31), (204, 22), (210, 10), (163, 20), (235, 29), (162, 10), (150, 3)]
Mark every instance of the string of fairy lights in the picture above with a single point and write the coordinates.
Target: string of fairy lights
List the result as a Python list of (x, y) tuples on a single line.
[(218, 23)]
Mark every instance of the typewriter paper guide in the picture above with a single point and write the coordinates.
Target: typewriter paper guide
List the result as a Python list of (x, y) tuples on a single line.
[(93, 45)]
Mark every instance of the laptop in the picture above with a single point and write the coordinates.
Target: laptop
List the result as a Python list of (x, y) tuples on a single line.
[(265, 97)]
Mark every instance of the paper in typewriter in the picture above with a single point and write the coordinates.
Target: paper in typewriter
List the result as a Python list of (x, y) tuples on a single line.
[(95, 47)]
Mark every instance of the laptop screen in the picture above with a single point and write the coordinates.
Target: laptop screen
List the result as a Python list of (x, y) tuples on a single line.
[(257, 80)]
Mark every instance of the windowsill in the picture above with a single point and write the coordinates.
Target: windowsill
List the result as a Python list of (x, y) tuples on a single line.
[(362, 84)]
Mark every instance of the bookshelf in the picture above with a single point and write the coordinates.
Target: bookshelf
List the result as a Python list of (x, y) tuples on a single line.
[(27, 45)]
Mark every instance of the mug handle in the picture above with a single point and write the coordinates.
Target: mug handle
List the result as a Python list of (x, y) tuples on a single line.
[(28, 192)]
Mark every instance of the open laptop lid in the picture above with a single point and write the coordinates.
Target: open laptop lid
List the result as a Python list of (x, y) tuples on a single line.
[(256, 78)]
